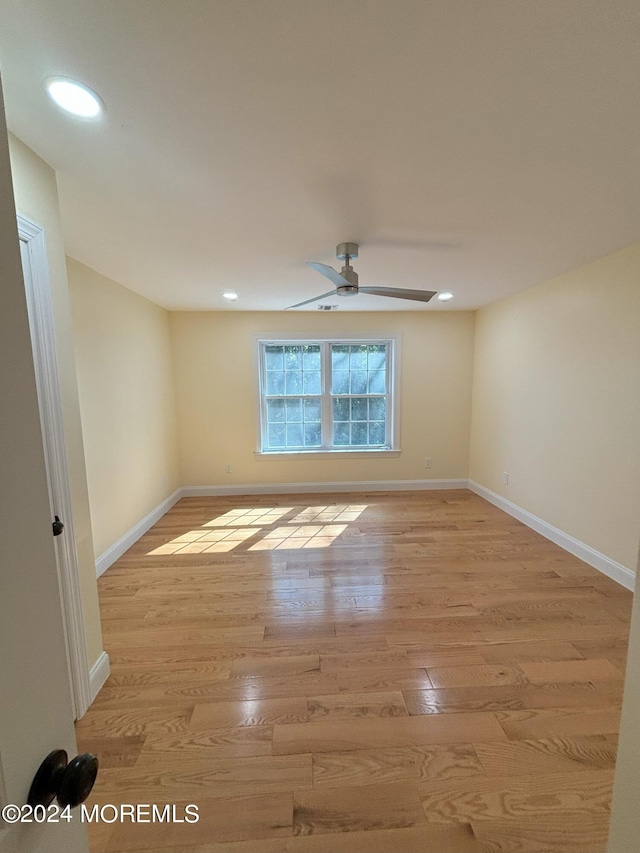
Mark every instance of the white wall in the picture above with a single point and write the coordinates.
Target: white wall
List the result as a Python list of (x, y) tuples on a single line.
[(125, 381), (556, 403)]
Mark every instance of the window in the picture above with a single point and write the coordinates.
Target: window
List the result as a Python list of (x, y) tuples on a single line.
[(326, 396)]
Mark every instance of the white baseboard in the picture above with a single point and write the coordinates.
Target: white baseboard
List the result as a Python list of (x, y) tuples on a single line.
[(616, 571), (310, 488), (98, 674), (131, 537)]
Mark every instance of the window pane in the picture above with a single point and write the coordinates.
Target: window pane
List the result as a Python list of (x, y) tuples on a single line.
[(275, 410), (377, 357), (312, 410), (276, 434), (312, 435), (311, 382), (376, 433), (358, 381), (296, 394), (294, 435), (311, 357), (340, 434), (294, 410), (275, 382), (377, 408), (293, 358), (358, 433), (341, 409), (339, 357), (293, 382), (359, 409), (273, 357), (340, 382), (358, 358), (377, 382)]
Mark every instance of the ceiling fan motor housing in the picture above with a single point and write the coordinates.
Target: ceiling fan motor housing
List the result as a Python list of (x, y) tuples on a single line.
[(351, 276), (344, 249)]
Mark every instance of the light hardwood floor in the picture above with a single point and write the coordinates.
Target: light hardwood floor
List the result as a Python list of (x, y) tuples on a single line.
[(393, 672)]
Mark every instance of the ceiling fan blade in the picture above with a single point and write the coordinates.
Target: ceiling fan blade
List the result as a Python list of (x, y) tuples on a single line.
[(329, 273), (400, 293), (315, 299)]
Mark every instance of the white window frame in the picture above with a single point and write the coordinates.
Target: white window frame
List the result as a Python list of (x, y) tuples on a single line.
[(393, 385)]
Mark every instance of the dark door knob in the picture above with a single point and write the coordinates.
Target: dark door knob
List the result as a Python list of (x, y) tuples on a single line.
[(57, 526), (69, 783)]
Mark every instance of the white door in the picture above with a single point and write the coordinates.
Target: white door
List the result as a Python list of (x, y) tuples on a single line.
[(35, 268), (35, 702)]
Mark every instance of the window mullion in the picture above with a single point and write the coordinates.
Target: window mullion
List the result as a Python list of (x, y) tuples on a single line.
[(327, 418)]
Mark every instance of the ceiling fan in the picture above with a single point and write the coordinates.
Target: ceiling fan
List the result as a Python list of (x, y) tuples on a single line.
[(346, 281)]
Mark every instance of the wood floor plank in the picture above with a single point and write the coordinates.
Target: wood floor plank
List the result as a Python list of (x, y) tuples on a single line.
[(533, 651), (377, 680), (254, 712), (375, 660), (427, 838), (328, 736), (358, 809), (548, 755), (478, 798), (117, 751), (512, 697), (428, 658), (233, 689), (550, 672), (394, 764), (234, 819), (561, 722), (214, 743), (136, 721), (285, 665), (553, 834), (437, 678), (345, 705), (157, 780), (472, 676)]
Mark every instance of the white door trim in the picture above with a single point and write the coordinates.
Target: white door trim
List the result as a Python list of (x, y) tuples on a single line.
[(40, 310)]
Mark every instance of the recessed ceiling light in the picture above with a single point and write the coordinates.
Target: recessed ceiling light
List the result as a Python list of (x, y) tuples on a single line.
[(73, 97), (445, 296), (230, 295)]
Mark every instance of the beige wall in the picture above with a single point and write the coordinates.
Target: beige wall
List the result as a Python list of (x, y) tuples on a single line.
[(125, 377), (215, 369), (36, 198), (556, 403)]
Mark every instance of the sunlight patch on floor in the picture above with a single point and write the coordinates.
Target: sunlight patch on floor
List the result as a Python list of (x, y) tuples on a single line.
[(287, 538), (259, 516), (227, 531), (206, 541), (335, 512)]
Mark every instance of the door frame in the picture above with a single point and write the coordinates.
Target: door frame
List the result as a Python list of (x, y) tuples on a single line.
[(40, 310)]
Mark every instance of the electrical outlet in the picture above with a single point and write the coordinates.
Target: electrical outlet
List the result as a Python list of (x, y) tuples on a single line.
[(505, 478), (427, 462), (227, 468)]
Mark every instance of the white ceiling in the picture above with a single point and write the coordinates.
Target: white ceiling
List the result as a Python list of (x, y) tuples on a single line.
[(477, 147)]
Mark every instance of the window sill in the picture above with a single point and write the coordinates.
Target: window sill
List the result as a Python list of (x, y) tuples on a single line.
[(310, 454)]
